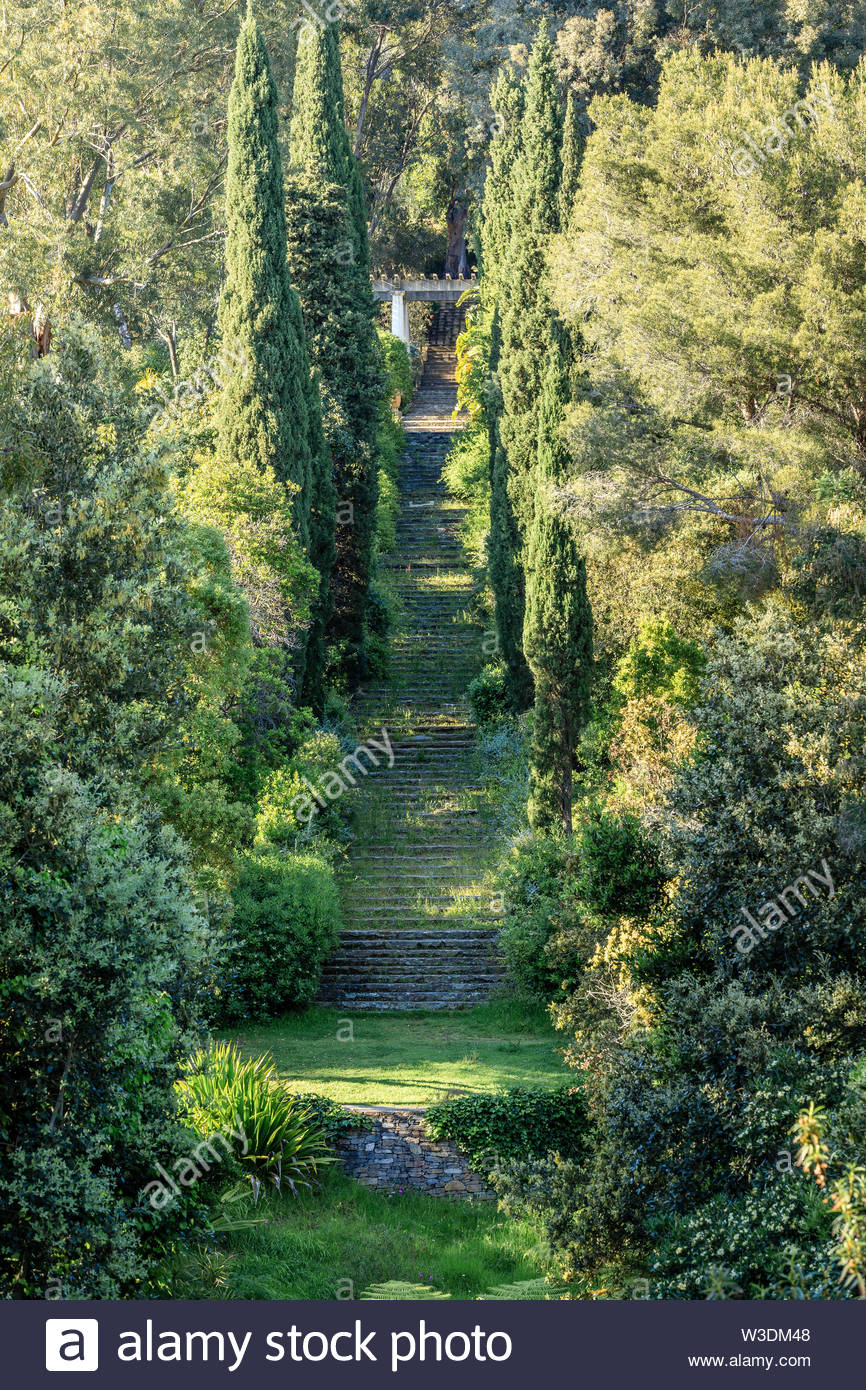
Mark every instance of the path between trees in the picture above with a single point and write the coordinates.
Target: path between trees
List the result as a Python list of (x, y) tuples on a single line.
[(419, 931)]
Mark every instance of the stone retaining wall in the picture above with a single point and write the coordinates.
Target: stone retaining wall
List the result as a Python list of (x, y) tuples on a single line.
[(397, 1154)]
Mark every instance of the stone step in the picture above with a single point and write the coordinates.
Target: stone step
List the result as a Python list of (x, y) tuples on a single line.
[(419, 931)]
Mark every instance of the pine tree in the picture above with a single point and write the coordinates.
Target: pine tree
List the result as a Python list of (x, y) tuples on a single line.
[(268, 407), (329, 260)]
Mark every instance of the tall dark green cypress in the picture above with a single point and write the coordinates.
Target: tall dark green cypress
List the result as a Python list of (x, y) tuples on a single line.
[(506, 99), (329, 259), (572, 156), (507, 581), (526, 333), (317, 135), (323, 554), (496, 221), (525, 306), (557, 632), (264, 407), (352, 178), (269, 412)]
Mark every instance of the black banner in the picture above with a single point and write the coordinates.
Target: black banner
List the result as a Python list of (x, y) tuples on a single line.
[(482, 1345)]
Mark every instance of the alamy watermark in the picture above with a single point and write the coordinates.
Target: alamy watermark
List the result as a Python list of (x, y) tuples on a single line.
[(162, 1191), (774, 914), (333, 784), (775, 137)]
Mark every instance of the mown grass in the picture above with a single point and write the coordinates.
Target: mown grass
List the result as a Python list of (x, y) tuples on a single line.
[(410, 1058), (335, 1242)]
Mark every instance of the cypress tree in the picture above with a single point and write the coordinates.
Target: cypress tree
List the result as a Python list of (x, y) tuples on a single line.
[(557, 635), (522, 348), (557, 640), (268, 415), (506, 98), (329, 258), (323, 554), (552, 456), (353, 178), (527, 315), (264, 407), (572, 155), (318, 138), (507, 582)]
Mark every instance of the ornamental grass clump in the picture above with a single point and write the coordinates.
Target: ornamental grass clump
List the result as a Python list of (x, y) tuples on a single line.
[(276, 1136)]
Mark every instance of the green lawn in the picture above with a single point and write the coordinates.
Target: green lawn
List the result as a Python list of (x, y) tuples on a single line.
[(410, 1058), (335, 1242)]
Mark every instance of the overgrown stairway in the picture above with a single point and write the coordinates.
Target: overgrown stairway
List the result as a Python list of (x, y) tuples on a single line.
[(420, 932)]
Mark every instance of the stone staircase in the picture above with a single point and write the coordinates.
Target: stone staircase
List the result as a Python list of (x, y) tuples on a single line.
[(420, 932)]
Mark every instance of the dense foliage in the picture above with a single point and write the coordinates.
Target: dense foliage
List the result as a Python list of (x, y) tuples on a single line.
[(663, 474), (519, 1124), (284, 924), (698, 937), (104, 954)]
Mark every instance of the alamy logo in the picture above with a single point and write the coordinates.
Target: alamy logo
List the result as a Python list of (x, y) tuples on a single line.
[(71, 1344)]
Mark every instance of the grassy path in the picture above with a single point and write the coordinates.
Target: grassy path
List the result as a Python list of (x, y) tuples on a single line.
[(335, 1242), (410, 1058)]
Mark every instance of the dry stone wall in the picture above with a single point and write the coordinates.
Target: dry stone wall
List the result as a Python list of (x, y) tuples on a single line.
[(397, 1154)]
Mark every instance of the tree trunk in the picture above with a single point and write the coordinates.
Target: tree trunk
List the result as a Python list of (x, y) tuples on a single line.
[(169, 337), (79, 200), (369, 78), (566, 792), (5, 184), (456, 261), (41, 331)]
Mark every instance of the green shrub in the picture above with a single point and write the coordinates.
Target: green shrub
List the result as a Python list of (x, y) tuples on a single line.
[(273, 1133), (551, 885), (538, 886), (660, 663), (467, 476), (286, 919), (398, 369), (334, 1118), (287, 812), (750, 1245), (503, 754), (271, 728), (104, 958), (387, 511), (390, 440), (378, 621), (619, 866), (519, 1124), (488, 695)]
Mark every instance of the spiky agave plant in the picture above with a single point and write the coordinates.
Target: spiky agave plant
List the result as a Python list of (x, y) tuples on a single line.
[(273, 1134)]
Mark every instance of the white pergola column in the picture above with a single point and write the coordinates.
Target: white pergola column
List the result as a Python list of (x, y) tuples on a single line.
[(400, 316)]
